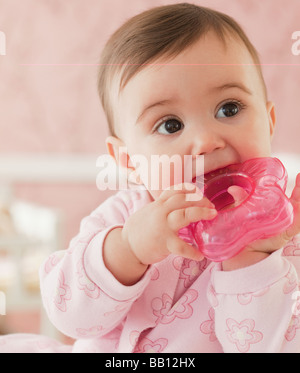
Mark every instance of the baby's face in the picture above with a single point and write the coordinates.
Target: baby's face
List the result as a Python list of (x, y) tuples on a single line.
[(209, 100)]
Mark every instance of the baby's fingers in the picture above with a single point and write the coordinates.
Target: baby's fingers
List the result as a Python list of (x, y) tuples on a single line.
[(178, 219), (177, 246), (191, 192)]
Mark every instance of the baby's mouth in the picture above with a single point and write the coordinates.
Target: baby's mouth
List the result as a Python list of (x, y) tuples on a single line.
[(209, 175), (212, 174)]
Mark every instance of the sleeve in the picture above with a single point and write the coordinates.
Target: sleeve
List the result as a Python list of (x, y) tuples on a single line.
[(256, 308), (81, 297)]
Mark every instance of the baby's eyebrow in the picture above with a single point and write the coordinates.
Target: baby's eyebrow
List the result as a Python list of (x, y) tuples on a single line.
[(159, 103), (218, 88), (233, 85)]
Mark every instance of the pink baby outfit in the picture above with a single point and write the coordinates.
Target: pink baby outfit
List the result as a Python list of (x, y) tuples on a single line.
[(179, 305)]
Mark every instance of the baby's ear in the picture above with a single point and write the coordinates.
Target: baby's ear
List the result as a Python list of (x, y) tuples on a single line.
[(117, 149)]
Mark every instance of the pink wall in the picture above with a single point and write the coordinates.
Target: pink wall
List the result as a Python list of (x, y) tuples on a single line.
[(55, 109)]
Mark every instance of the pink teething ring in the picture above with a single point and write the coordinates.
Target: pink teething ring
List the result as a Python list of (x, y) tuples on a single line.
[(265, 212)]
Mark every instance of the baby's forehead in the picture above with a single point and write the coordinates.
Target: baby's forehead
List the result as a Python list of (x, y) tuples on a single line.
[(210, 54), (210, 42)]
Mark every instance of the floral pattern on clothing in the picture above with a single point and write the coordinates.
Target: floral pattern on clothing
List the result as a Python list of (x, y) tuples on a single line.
[(80, 242), (147, 346), (293, 247), (177, 262), (51, 262), (208, 326), (154, 273), (291, 283), (293, 326), (134, 337), (182, 309), (85, 284), (63, 293), (90, 332), (190, 270), (243, 334)]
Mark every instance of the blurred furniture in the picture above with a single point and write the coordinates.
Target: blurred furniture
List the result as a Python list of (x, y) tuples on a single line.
[(34, 233)]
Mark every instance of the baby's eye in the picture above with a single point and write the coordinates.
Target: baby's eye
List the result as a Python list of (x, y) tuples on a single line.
[(229, 109), (169, 126)]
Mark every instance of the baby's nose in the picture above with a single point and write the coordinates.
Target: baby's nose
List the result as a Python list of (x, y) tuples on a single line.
[(206, 141)]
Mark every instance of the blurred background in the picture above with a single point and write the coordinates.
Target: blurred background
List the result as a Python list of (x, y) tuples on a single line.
[(52, 127)]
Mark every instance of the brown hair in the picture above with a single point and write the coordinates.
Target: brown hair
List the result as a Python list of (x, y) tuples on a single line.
[(161, 31)]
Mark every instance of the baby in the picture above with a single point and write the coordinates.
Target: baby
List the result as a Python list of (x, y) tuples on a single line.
[(175, 80)]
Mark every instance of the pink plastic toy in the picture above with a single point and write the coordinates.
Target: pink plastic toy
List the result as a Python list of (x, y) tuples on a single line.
[(265, 212)]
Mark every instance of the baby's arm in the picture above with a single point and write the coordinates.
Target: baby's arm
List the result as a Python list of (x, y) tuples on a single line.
[(81, 297), (150, 234), (85, 291)]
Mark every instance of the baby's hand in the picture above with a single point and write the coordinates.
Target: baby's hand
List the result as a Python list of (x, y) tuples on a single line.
[(151, 232), (260, 249)]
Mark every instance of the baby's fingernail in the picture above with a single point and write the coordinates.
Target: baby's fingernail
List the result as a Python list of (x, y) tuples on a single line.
[(212, 212), (209, 213)]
